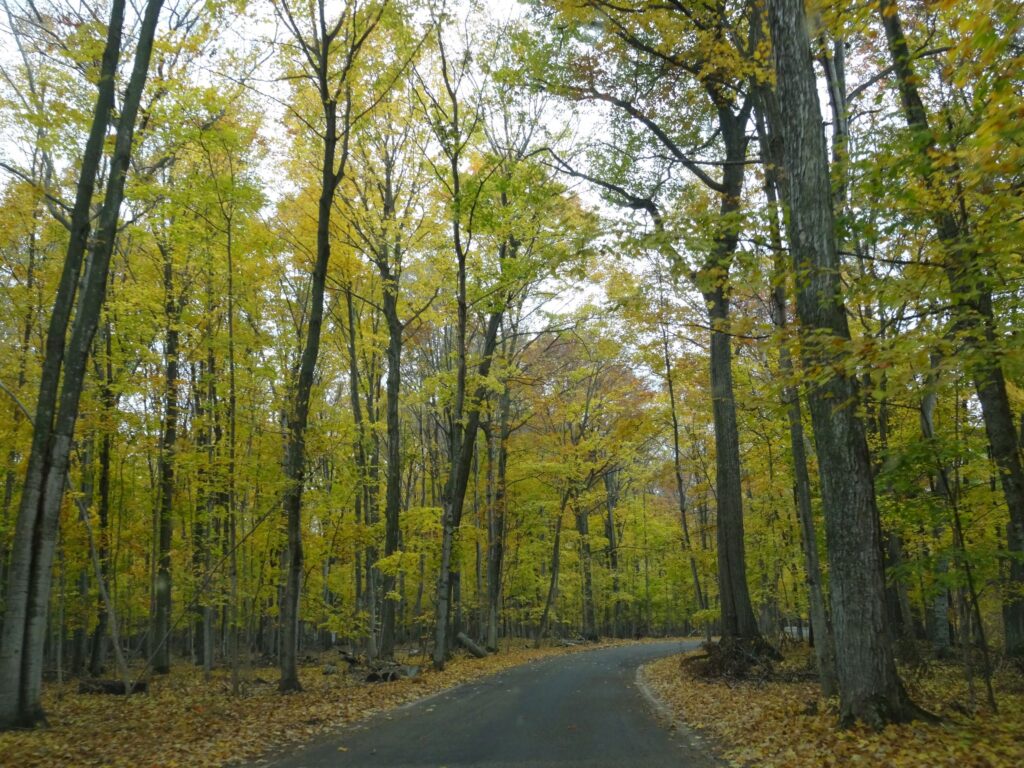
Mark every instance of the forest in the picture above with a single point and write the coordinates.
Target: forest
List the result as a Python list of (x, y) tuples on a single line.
[(398, 326)]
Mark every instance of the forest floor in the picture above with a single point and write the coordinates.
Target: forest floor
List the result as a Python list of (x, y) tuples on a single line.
[(782, 720), (185, 720)]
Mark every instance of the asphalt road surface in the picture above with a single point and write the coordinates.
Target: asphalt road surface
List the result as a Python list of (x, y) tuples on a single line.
[(580, 710)]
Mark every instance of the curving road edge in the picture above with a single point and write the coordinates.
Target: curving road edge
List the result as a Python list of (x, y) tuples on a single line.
[(583, 710)]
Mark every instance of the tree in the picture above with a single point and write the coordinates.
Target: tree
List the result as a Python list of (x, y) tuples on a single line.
[(385, 211), (319, 40), (703, 56), (21, 645), (975, 324), (869, 687)]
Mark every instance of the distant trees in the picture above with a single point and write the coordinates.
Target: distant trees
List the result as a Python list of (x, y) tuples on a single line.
[(655, 64)]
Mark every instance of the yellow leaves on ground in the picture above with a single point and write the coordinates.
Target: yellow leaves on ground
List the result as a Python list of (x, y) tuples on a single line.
[(786, 724), (186, 721)]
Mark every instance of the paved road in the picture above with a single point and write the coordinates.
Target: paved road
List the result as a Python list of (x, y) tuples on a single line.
[(575, 711)]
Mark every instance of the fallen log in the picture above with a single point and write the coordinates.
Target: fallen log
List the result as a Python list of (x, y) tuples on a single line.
[(390, 673), (113, 687), (466, 642), (349, 658)]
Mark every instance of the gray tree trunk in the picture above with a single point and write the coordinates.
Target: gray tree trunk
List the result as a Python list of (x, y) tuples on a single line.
[(738, 619), (28, 589), (611, 487), (734, 595), (869, 688), (589, 611), (496, 521), (160, 645), (556, 557), (677, 466), (317, 49), (824, 645)]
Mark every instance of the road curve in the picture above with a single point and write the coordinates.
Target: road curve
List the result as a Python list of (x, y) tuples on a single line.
[(579, 710)]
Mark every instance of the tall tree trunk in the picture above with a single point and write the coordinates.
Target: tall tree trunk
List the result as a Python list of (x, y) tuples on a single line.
[(556, 556), (28, 590), (98, 653), (824, 645), (677, 466), (589, 611), (393, 493), (370, 509), (454, 493), (160, 641), (869, 688), (298, 417), (734, 595), (496, 520), (232, 497), (611, 498), (359, 443), (331, 80)]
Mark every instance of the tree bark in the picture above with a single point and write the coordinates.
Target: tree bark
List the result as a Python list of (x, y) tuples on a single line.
[(611, 487), (589, 611), (97, 658), (734, 595), (496, 520), (393, 493), (332, 87), (160, 643), (298, 418), (869, 687), (24, 631), (824, 646), (677, 466), (556, 556)]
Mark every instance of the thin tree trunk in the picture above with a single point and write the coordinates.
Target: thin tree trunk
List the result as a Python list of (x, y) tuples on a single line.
[(393, 493), (974, 316), (556, 555), (99, 639), (160, 645), (298, 417), (677, 466), (589, 611), (332, 86), (458, 480), (611, 487)]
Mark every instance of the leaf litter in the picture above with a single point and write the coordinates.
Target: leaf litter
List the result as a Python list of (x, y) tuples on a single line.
[(185, 720), (781, 721)]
